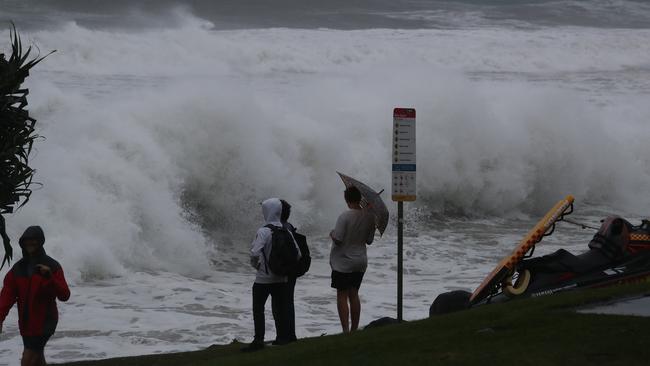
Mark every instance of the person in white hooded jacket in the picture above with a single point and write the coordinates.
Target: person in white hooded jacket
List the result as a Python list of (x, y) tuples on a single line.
[(266, 282)]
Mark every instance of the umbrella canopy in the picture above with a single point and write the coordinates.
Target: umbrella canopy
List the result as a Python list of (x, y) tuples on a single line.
[(370, 200)]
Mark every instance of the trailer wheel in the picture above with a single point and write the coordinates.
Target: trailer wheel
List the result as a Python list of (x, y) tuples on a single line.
[(519, 287)]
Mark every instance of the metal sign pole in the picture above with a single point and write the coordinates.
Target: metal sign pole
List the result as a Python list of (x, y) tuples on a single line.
[(404, 170), (400, 269)]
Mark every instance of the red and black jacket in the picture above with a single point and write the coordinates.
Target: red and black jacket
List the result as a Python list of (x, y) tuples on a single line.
[(34, 292)]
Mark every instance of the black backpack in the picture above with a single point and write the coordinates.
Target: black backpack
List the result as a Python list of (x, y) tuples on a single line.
[(283, 259)]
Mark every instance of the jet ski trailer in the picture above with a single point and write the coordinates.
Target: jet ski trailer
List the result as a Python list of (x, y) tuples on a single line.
[(618, 253)]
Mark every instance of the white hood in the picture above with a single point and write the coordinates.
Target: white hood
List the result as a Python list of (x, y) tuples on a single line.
[(272, 211)]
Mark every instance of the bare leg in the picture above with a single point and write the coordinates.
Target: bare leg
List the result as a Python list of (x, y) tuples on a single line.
[(355, 308), (42, 359), (344, 311)]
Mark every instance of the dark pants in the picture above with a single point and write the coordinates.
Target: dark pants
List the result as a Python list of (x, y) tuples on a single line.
[(291, 286), (280, 308), (37, 343)]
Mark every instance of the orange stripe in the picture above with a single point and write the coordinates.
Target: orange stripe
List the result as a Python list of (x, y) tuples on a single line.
[(526, 243)]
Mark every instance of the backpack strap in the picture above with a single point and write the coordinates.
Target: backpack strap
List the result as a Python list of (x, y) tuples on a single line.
[(266, 266), (273, 229)]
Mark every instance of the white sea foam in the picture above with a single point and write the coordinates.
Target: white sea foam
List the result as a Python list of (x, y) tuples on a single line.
[(160, 145)]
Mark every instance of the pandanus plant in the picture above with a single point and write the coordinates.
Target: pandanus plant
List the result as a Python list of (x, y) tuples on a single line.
[(17, 134)]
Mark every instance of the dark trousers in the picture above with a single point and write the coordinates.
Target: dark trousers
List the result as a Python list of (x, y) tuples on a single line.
[(291, 322), (280, 308)]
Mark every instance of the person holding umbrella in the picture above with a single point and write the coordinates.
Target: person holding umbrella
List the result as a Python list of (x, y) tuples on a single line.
[(354, 229)]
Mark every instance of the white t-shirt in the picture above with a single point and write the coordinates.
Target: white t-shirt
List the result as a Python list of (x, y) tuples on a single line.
[(354, 229)]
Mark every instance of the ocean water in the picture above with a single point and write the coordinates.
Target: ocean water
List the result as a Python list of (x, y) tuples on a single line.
[(166, 123)]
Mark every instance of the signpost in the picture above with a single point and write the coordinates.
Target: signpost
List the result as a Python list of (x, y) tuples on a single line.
[(403, 182)]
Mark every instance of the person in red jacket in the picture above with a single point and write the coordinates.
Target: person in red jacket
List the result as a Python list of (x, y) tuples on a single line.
[(35, 282)]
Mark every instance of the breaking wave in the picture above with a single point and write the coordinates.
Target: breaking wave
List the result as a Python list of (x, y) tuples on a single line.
[(161, 144)]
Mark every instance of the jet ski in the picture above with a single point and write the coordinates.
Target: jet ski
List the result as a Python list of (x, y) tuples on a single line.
[(618, 253)]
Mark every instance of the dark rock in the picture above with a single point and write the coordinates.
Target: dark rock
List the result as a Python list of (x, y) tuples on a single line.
[(450, 302), (381, 322)]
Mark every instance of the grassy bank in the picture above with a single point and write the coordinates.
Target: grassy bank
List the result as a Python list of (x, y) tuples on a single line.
[(542, 331)]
